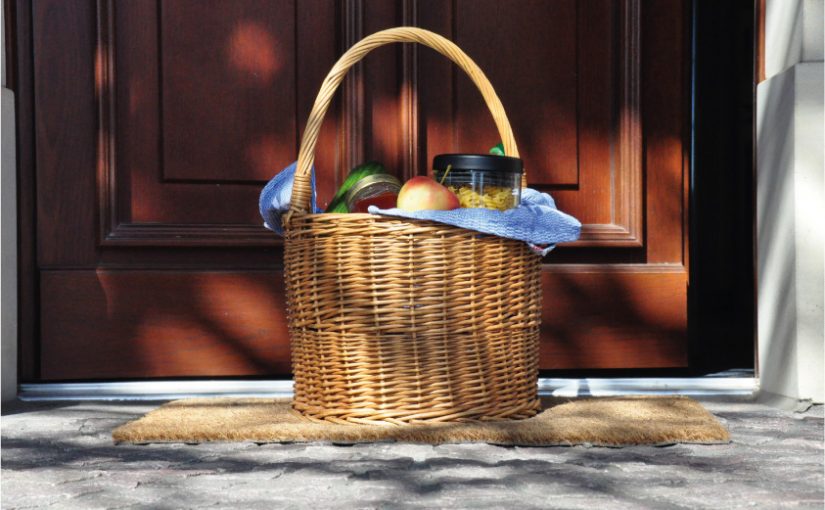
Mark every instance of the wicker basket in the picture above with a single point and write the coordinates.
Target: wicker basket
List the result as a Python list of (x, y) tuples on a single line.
[(398, 321)]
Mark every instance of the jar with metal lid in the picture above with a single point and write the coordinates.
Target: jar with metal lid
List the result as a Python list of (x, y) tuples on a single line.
[(481, 180), (380, 190)]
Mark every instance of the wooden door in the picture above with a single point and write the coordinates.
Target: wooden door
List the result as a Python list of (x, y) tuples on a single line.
[(148, 128)]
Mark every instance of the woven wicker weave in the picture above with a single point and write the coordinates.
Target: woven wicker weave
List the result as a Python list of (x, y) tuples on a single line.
[(402, 321)]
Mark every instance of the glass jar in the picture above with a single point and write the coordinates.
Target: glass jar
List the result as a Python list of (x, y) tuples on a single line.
[(481, 180), (378, 189)]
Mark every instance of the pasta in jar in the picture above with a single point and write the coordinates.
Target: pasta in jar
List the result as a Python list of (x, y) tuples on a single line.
[(481, 180), (493, 197)]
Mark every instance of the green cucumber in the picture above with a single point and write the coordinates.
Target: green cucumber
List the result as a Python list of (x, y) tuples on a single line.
[(337, 205)]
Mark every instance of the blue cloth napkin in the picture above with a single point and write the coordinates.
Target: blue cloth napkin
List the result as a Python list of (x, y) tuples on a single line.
[(275, 197), (535, 221)]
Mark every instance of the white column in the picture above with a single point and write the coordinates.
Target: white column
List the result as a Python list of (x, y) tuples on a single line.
[(791, 203)]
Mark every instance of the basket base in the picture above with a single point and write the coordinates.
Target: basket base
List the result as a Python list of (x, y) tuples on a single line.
[(420, 416)]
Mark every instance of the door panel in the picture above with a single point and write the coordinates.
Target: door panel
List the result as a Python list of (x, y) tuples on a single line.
[(569, 76), (132, 324), (613, 316), (227, 79), (157, 123), (533, 44), (199, 106)]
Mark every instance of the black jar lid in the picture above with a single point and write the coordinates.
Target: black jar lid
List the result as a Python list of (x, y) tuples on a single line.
[(481, 162)]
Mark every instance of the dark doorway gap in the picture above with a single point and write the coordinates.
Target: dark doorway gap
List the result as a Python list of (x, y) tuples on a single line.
[(721, 297)]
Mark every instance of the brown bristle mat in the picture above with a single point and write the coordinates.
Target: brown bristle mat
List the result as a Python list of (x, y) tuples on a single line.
[(607, 421)]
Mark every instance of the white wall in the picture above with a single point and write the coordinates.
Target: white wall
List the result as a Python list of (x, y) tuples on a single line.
[(8, 243), (791, 203), (812, 23), (783, 34)]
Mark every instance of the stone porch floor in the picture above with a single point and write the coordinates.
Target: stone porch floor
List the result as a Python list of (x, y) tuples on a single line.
[(60, 455)]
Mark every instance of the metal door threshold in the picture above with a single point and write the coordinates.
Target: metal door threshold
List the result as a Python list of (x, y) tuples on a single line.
[(719, 385)]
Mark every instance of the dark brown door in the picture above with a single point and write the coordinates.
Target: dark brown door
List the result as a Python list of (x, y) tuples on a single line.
[(148, 129)]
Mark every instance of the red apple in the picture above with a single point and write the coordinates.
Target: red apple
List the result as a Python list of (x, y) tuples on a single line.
[(422, 193)]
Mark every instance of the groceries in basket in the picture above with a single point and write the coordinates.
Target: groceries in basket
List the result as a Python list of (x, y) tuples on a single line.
[(481, 180), (338, 203), (380, 190), (479, 192), (370, 184), (491, 181), (422, 194)]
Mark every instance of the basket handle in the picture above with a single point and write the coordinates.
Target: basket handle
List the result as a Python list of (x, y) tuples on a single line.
[(302, 189)]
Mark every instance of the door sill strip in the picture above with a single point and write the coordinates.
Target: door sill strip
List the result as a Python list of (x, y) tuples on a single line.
[(548, 387)]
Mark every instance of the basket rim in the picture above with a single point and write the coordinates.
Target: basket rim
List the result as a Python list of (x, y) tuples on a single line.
[(377, 219)]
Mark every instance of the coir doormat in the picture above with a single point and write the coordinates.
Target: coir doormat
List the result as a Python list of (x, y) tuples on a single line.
[(608, 421)]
